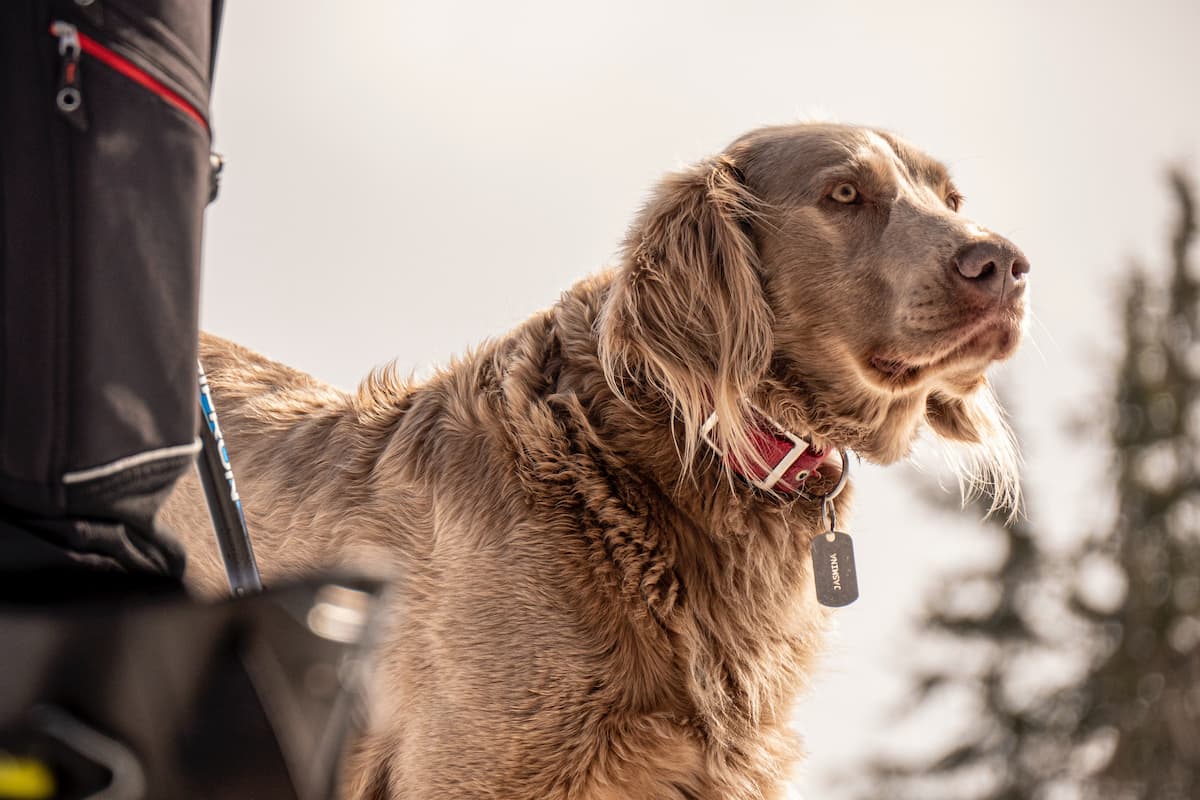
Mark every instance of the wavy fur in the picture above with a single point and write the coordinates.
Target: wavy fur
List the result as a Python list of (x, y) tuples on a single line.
[(686, 315)]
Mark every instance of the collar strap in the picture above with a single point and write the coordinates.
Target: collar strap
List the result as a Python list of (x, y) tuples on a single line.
[(788, 459)]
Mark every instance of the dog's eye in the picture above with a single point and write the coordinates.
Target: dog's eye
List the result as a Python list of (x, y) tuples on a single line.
[(845, 193), (954, 200)]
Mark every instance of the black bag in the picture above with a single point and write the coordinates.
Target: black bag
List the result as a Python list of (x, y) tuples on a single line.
[(113, 683), (104, 175)]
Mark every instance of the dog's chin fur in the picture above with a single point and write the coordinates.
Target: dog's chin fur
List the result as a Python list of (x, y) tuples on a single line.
[(587, 603)]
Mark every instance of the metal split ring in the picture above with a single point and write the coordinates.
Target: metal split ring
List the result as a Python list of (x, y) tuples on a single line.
[(837, 487), (828, 512)]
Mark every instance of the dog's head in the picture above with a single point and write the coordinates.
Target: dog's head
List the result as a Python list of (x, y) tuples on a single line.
[(826, 274)]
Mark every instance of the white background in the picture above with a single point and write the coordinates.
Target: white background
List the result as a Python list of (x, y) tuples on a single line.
[(407, 179)]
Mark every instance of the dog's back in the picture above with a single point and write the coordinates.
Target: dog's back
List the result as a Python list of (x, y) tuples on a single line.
[(259, 402)]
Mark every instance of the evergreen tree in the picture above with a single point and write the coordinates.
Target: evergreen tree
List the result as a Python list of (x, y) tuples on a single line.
[(1142, 695), (989, 631)]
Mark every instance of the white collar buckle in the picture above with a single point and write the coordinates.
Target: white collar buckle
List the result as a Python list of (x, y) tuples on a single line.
[(766, 483)]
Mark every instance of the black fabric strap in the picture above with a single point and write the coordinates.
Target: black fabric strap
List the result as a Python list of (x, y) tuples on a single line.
[(218, 11)]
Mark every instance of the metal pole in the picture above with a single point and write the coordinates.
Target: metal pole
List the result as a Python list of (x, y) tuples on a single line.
[(224, 504)]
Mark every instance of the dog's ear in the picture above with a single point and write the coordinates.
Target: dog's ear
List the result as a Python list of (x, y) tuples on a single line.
[(991, 464), (686, 311)]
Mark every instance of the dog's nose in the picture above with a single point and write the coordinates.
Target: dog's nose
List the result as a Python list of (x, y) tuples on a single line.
[(992, 267)]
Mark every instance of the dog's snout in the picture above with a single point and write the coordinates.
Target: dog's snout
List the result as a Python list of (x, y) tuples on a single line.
[(991, 267)]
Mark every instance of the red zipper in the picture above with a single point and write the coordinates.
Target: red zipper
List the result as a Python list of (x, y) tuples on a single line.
[(71, 42)]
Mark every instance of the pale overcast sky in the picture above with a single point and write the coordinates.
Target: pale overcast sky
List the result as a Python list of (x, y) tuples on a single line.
[(407, 179)]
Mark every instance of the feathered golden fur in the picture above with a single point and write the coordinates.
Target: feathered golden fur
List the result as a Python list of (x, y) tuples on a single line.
[(588, 605)]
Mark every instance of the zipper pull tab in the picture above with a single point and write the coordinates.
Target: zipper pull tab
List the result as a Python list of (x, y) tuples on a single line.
[(70, 86), (216, 165)]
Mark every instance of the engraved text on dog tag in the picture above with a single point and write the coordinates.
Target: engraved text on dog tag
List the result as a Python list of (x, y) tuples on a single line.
[(833, 569)]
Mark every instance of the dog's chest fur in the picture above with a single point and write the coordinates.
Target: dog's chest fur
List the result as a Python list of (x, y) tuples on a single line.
[(709, 632)]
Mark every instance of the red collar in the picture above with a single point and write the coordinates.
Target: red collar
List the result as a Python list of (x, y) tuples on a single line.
[(788, 459)]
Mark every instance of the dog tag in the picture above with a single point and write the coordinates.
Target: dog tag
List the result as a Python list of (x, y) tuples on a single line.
[(833, 569)]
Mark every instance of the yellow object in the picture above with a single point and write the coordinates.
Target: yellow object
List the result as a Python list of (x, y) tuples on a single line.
[(25, 779)]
